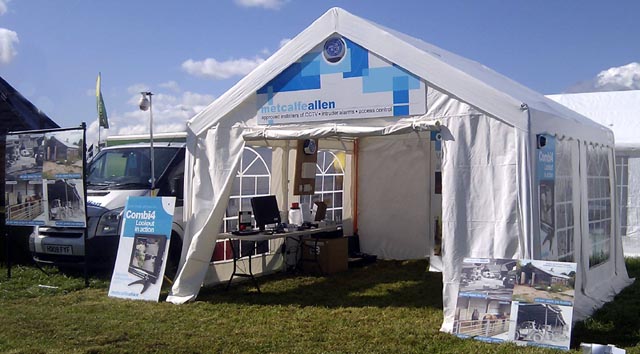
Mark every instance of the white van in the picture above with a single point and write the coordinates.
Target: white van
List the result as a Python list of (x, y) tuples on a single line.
[(112, 175)]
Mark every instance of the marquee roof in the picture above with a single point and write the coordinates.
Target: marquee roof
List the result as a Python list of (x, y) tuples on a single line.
[(617, 110), (461, 78)]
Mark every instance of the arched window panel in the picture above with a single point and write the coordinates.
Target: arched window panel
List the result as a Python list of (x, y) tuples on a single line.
[(329, 183), (253, 178), (331, 162)]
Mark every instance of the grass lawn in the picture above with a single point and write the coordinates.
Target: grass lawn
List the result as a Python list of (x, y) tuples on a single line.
[(387, 307)]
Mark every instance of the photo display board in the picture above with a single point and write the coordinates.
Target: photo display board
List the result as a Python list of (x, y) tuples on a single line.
[(143, 248), (528, 302), (44, 178)]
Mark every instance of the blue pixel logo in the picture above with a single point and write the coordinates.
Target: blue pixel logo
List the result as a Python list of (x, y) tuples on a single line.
[(334, 50)]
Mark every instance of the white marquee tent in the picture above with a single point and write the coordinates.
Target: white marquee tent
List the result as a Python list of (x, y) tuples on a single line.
[(620, 111), (377, 95)]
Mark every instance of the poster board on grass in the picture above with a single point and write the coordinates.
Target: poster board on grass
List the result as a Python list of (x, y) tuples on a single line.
[(528, 302), (143, 248)]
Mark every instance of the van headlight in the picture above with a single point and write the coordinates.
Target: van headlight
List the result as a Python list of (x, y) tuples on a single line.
[(109, 224)]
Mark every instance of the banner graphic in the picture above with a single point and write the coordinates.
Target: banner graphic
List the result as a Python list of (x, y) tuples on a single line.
[(339, 79), (143, 248)]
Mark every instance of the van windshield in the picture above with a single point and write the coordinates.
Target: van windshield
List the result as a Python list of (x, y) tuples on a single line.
[(127, 168)]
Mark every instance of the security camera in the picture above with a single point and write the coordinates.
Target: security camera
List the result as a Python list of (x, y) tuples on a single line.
[(541, 141), (144, 103)]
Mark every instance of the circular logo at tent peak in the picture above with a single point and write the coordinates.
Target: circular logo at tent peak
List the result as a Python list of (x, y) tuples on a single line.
[(334, 49)]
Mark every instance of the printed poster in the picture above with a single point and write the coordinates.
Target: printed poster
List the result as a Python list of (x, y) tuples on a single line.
[(143, 248), (543, 299), (546, 176), (483, 310), (525, 301), (44, 180)]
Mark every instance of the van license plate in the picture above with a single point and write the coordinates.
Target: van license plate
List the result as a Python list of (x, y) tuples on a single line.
[(58, 249)]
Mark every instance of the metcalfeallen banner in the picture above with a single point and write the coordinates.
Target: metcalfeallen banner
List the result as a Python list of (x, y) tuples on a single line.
[(339, 79), (546, 176), (143, 248), (44, 182), (528, 302)]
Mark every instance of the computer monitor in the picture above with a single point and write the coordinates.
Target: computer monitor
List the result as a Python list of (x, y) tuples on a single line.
[(265, 211), (146, 258)]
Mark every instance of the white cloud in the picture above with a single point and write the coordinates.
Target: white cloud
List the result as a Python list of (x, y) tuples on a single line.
[(171, 85), (620, 78), (137, 88), (284, 41), (3, 7), (8, 39), (267, 4), (170, 114), (265, 51), (217, 70)]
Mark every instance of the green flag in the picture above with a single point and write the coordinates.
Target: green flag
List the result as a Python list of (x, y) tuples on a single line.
[(102, 111)]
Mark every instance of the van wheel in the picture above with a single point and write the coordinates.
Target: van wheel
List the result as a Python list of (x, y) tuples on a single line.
[(175, 249)]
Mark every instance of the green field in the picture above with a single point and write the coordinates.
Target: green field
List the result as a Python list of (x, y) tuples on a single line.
[(387, 307)]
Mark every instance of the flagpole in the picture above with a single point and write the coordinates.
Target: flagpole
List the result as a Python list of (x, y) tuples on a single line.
[(102, 112), (98, 93)]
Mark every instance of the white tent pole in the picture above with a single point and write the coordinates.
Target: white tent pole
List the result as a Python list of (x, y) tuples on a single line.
[(285, 174)]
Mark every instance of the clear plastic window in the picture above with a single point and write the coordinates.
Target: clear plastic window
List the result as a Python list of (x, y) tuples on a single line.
[(599, 204)]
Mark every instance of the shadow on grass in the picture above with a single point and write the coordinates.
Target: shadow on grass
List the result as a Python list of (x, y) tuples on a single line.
[(382, 284), (617, 322)]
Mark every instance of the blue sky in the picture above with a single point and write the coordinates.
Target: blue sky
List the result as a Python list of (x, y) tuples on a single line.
[(190, 52)]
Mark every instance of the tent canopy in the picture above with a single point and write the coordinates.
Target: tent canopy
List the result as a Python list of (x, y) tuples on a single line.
[(461, 78), (618, 110), (488, 124)]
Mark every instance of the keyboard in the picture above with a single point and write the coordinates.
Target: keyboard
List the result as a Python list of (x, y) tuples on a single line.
[(245, 232)]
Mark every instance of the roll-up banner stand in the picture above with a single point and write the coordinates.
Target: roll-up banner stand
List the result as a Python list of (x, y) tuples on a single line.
[(143, 248)]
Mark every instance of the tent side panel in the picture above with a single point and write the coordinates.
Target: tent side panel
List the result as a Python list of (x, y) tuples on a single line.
[(480, 216), (602, 260), (394, 196), (217, 157), (633, 197)]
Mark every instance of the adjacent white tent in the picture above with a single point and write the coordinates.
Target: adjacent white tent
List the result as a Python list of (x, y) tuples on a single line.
[(620, 111), (404, 89)]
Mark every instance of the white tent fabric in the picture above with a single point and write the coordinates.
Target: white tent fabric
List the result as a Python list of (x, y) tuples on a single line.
[(620, 111), (489, 127), (633, 197), (401, 164)]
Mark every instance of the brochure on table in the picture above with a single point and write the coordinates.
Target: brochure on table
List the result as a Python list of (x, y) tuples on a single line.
[(143, 248), (529, 302)]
